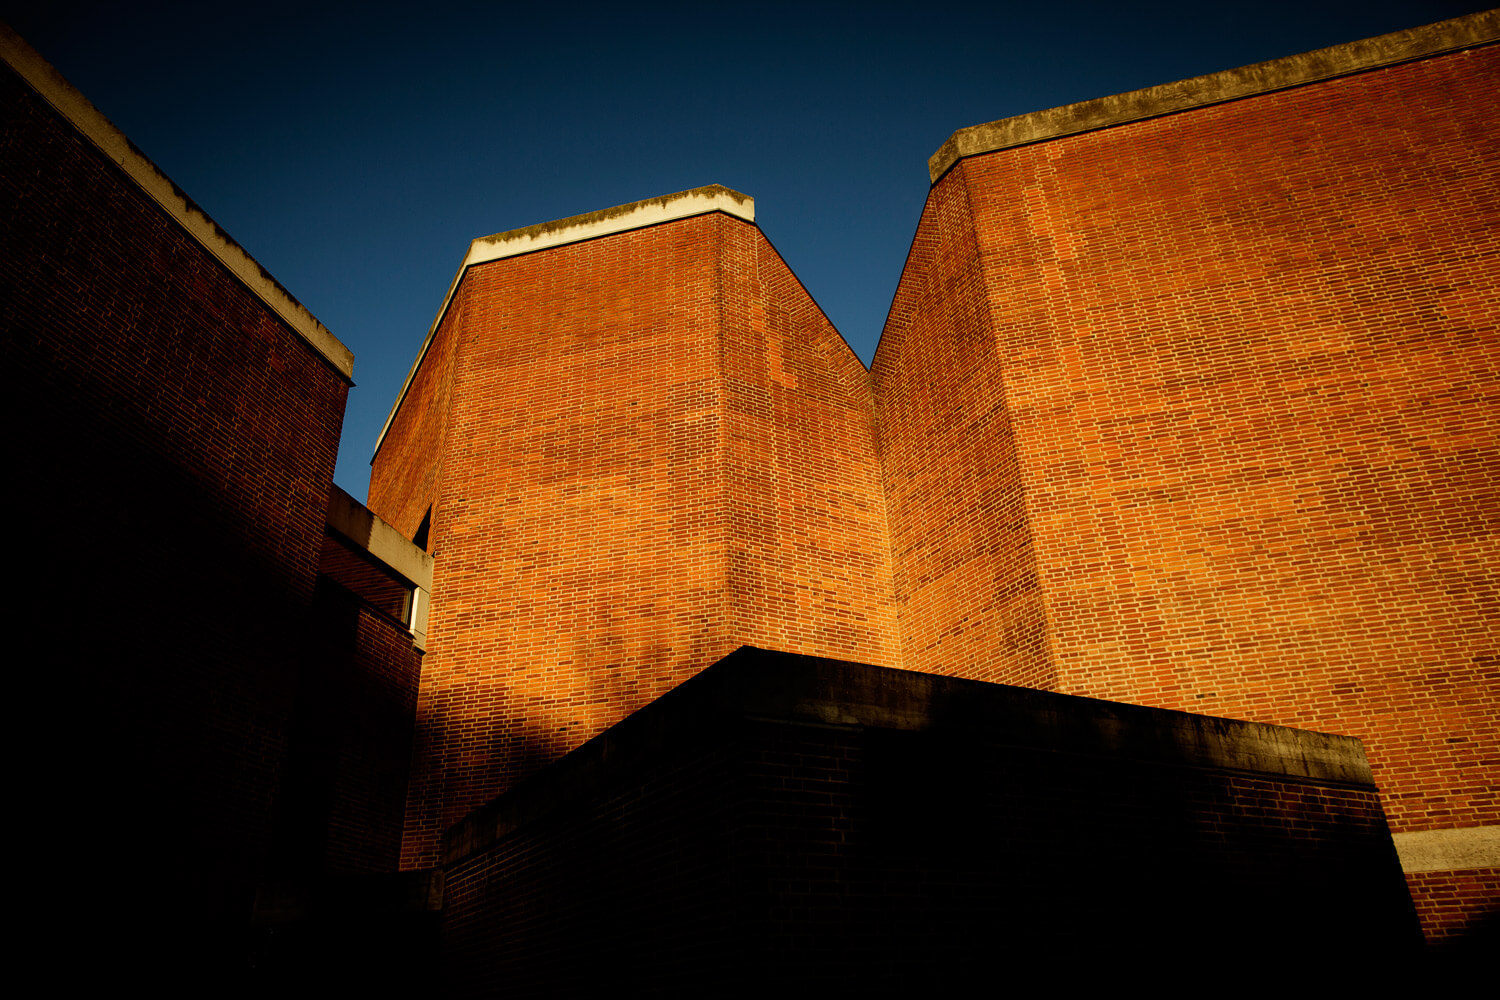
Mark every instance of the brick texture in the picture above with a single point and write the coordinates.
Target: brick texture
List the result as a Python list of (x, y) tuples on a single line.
[(1458, 910), (651, 448), (351, 740), (179, 441), (1220, 387), (966, 579)]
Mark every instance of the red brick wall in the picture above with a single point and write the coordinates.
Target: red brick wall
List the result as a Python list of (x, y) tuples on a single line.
[(351, 740), (809, 569), (120, 320), (1458, 909), (404, 472), (1239, 364), (965, 570), (630, 486)]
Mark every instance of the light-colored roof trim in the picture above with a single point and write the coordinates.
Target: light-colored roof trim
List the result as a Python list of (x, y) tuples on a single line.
[(387, 546), (87, 119), (574, 229), (1459, 33), (383, 542)]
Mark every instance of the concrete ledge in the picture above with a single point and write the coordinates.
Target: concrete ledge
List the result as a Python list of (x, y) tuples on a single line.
[(1449, 850), (575, 229), (1279, 74), (97, 129), (390, 548), (762, 685), (360, 525), (608, 221)]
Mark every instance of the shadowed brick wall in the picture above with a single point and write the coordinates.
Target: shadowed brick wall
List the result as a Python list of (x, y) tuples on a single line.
[(729, 834), (1236, 370), (654, 449), (178, 445), (174, 436)]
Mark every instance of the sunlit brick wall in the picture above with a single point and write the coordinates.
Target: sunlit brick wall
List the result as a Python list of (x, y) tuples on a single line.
[(809, 565), (1454, 906), (1239, 366), (966, 582), (404, 473), (630, 486)]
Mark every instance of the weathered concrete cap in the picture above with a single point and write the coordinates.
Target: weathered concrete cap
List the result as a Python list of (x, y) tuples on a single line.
[(607, 221), (384, 543), (1459, 33), (575, 229), (97, 129), (1449, 850)]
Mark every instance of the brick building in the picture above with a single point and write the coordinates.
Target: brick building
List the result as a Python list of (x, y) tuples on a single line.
[(1217, 360), (220, 651), (1186, 400)]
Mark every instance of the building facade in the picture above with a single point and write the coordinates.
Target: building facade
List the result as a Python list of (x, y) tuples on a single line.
[(1186, 400)]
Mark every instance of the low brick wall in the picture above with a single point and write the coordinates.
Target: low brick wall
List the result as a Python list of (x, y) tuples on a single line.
[(781, 816)]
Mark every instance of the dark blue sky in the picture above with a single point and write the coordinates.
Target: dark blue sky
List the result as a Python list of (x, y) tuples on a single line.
[(355, 150)]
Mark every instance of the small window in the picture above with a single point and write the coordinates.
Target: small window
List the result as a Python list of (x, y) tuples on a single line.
[(423, 529)]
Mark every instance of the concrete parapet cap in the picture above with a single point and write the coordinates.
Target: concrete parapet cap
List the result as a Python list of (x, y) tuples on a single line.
[(1459, 33), (384, 543), (1449, 850), (114, 144), (608, 221)]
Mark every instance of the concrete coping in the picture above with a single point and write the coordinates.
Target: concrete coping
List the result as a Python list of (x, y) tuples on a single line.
[(608, 221), (1449, 850), (575, 229), (387, 546), (114, 144), (384, 543), (1453, 35)]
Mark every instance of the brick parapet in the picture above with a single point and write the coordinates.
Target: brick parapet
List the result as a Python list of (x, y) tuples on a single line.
[(1318, 66), (252, 410), (148, 180)]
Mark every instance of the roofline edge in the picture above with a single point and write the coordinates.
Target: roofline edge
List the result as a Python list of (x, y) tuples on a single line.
[(91, 123), (1425, 41)]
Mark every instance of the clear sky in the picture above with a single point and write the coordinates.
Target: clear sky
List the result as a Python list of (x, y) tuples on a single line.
[(356, 149)]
